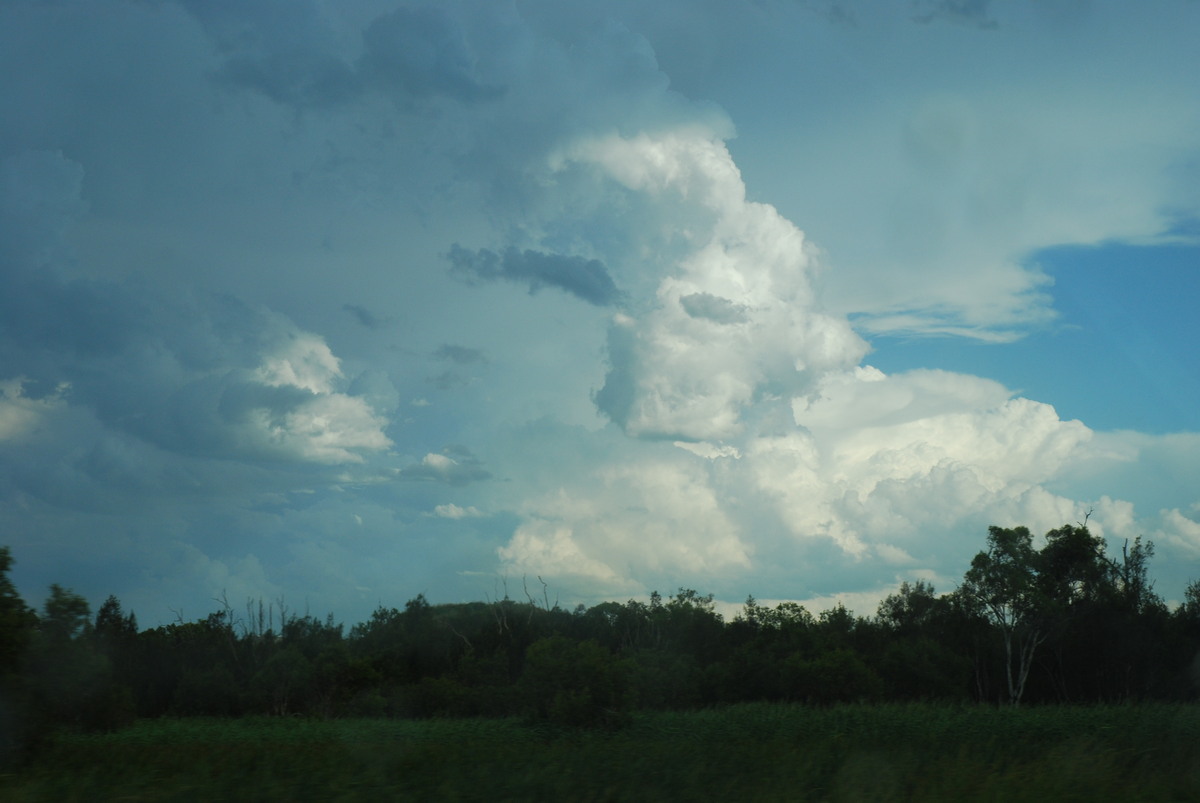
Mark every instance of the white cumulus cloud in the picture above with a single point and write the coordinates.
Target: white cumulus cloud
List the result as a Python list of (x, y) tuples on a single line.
[(734, 319), (453, 511), (630, 520)]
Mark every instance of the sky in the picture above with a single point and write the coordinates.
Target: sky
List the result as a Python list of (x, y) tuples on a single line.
[(338, 303)]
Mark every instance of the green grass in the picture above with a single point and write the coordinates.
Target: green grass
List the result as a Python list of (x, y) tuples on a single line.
[(750, 752)]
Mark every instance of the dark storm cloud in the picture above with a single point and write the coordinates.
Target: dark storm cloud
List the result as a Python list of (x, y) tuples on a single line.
[(263, 25), (422, 52), (615, 399), (460, 355), (713, 308), (297, 78), (973, 13), (586, 279), (40, 198), (281, 48), (135, 368), (288, 52), (363, 315), (45, 322), (187, 372)]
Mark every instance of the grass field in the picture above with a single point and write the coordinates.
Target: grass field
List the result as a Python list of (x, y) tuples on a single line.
[(750, 752)]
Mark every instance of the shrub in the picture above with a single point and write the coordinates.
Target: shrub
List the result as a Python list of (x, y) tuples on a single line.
[(578, 684)]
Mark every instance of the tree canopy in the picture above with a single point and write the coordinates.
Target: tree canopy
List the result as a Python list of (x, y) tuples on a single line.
[(1055, 619)]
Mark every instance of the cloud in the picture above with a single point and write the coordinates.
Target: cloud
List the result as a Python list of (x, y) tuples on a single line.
[(714, 308), (885, 482), (1181, 531), (453, 511), (283, 423), (586, 279), (936, 238), (878, 475), (288, 51), (461, 355), (266, 25), (878, 457), (189, 374), (40, 199), (454, 466), (422, 52), (447, 380), (296, 78), (181, 381), (795, 452), (222, 379), (973, 13), (839, 12), (625, 521), (363, 315), (303, 361), (680, 371), (298, 54), (20, 414)]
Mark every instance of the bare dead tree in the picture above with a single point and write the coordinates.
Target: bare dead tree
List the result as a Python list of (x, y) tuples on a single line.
[(467, 641), (283, 612), (231, 621), (546, 595), (499, 609)]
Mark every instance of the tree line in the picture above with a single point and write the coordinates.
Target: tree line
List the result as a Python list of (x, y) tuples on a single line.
[(1050, 620)]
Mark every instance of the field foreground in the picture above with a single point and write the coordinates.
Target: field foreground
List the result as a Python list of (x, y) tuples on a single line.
[(748, 752)]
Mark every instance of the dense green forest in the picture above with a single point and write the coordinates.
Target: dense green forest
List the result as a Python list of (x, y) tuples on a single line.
[(1034, 621)]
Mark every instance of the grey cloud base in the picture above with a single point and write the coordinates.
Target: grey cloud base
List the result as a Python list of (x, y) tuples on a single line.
[(586, 279)]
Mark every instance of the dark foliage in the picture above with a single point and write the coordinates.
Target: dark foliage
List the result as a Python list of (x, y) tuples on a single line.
[(1055, 622)]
